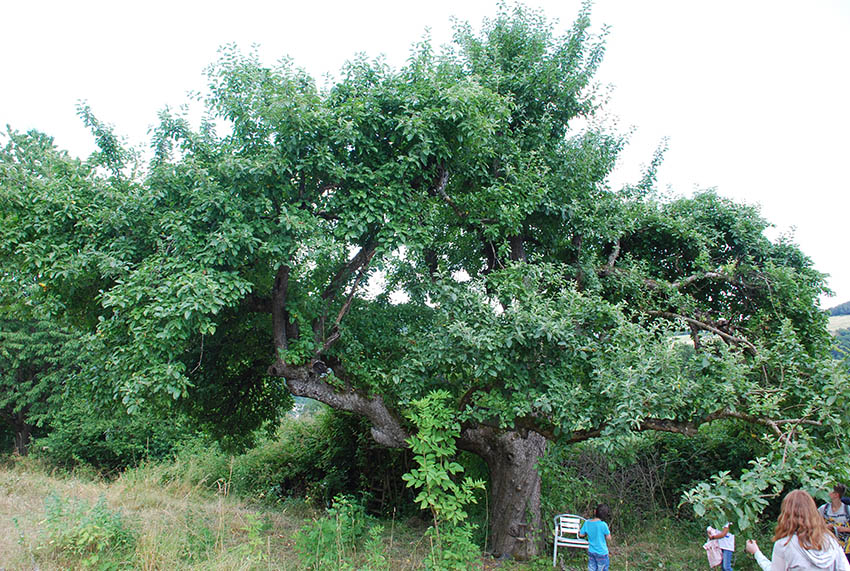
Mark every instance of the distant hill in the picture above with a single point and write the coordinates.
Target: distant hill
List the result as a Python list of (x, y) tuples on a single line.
[(843, 309), (837, 322)]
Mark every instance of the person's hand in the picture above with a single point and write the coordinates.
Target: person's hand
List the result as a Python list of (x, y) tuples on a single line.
[(752, 547)]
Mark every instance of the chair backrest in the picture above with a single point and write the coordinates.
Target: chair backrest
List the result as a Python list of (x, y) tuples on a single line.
[(568, 524)]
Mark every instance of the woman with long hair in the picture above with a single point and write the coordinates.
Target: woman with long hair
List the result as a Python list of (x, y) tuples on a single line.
[(802, 541)]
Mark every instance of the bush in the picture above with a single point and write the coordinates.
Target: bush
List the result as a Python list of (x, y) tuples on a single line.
[(331, 541), (318, 457), (312, 456), (93, 536), (109, 441), (646, 475)]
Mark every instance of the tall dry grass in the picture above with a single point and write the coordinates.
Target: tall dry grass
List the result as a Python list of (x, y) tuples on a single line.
[(178, 525), (197, 524), (182, 520)]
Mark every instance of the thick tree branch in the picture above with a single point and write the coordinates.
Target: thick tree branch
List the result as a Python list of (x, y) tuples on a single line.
[(612, 259), (362, 257), (256, 304), (357, 263), (440, 189), (304, 381), (517, 249), (334, 334), (717, 276), (279, 314), (546, 428), (609, 268)]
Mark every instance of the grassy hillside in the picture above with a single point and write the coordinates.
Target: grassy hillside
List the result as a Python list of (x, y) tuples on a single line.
[(171, 525), (837, 322)]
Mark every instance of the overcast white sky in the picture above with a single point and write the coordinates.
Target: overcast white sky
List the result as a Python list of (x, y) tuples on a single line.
[(754, 95)]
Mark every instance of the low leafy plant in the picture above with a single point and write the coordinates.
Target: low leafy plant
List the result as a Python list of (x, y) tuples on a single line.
[(199, 540), (377, 558), (255, 547), (330, 542), (94, 536), (434, 448)]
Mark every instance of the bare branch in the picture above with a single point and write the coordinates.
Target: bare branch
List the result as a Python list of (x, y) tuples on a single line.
[(363, 255), (707, 327), (356, 264), (705, 276), (334, 335), (612, 259)]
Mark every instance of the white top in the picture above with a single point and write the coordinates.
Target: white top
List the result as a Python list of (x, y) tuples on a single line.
[(792, 557), (727, 542)]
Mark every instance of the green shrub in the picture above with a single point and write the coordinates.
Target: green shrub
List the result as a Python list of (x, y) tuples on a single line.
[(313, 456), (199, 542), (331, 541), (377, 558), (442, 488), (643, 475), (109, 441), (93, 536)]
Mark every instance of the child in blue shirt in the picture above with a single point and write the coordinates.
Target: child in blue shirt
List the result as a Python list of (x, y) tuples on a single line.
[(598, 534)]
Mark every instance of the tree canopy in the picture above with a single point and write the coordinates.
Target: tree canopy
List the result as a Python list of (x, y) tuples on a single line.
[(447, 225)]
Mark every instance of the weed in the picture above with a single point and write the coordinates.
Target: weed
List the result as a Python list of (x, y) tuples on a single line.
[(331, 541), (94, 536)]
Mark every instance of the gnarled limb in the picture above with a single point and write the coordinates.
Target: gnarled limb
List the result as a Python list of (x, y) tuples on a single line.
[(304, 381)]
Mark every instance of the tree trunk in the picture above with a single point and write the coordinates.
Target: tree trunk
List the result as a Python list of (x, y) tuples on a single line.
[(23, 433), (514, 488)]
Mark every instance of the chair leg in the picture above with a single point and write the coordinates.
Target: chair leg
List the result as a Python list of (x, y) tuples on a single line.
[(555, 555)]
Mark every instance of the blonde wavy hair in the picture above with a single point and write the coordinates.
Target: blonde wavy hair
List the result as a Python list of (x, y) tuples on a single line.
[(800, 515)]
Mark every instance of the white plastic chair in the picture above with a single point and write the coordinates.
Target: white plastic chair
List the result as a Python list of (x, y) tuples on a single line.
[(567, 527)]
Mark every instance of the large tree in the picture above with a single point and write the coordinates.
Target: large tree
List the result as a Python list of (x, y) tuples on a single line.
[(446, 225)]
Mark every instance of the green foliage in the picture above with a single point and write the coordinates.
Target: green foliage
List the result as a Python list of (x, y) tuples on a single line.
[(434, 448), (91, 536), (742, 499), (377, 558), (842, 345), (331, 541), (254, 548), (642, 474), (38, 364), (109, 439), (684, 460), (200, 538), (538, 297), (313, 457)]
